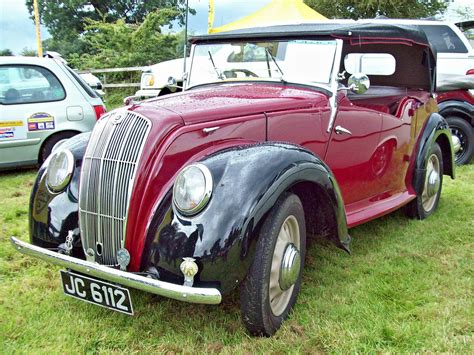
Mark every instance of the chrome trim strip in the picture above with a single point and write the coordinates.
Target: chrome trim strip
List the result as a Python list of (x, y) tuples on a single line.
[(147, 284)]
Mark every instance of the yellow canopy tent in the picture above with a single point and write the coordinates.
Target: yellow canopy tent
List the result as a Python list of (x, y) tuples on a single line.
[(277, 12)]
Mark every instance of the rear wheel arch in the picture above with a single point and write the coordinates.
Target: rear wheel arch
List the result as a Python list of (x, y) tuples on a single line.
[(453, 109), (51, 140)]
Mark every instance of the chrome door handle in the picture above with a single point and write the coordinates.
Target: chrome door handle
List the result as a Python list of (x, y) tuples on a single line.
[(210, 130), (341, 130)]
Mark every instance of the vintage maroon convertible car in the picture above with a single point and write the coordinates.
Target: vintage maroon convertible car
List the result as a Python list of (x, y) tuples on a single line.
[(275, 138)]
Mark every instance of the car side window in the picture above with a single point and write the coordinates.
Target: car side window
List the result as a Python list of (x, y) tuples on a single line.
[(444, 39), (23, 84)]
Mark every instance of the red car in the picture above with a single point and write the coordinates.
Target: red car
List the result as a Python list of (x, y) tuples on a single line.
[(277, 136)]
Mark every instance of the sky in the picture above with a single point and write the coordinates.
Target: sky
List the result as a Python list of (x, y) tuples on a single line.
[(17, 30)]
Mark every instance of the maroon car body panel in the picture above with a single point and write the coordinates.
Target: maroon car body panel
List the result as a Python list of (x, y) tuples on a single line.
[(370, 165)]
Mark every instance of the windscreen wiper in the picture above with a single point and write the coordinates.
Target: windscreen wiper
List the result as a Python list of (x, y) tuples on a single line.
[(219, 75), (274, 61)]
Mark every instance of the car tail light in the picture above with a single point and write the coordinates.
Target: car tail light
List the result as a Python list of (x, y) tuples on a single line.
[(470, 72), (99, 111)]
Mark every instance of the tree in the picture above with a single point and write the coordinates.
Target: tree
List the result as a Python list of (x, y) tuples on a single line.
[(65, 20), (120, 44), (28, 52), (5, 52), (359, 9)]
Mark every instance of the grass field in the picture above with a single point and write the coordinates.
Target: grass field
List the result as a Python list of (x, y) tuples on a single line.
[(407, 287)]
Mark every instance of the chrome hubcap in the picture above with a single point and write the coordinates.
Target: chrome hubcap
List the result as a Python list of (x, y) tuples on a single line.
[(432, 183), (290, 267), (286, 264), (456, 143)]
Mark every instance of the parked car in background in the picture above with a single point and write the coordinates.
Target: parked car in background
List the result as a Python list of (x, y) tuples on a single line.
[(154, 79), (94, 82), (457, 106), (42, 102)]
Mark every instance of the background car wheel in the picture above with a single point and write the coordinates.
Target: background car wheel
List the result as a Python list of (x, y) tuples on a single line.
[(465, 133), (425, 203), (272, 285), (51, 142)]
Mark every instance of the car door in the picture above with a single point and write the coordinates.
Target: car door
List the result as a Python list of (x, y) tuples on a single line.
[(352, 151)]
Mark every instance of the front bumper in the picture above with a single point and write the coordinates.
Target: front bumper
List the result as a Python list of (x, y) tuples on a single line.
[(166, 289)]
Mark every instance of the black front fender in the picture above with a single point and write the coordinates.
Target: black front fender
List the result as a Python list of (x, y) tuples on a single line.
[(247, 181), (53, 215)]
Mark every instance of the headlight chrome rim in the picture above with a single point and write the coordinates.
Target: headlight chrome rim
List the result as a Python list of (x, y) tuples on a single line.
[(208, 185), (70, 169)]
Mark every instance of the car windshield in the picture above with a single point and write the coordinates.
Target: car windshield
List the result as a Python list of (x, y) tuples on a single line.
[(298, 61)]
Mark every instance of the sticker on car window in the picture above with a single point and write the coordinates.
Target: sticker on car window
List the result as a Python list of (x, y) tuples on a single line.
[(40, 121), (12, 130)]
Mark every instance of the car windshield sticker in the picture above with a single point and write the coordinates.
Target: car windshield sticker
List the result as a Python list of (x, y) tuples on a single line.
[(12, 130), (40, 121)]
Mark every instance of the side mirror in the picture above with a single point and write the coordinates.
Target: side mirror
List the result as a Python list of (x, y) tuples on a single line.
[(172, 81), (173, 84), (358, 83)]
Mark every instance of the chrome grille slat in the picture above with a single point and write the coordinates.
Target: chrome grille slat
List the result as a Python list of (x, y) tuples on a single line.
[(108, 173)]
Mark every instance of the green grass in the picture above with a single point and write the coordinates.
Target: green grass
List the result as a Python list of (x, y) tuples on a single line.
[(407, 287)]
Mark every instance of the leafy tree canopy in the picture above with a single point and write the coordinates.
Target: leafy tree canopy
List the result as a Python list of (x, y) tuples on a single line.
[(120, 44), (358, 9), (5, 52), (28, 52), (66, 19)]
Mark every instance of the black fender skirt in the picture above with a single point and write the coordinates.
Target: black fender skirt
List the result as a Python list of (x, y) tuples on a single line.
[(247, 181), (436, 129)]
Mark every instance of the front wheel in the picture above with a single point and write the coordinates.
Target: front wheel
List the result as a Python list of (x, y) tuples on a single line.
[(425, 203), (274, 279)]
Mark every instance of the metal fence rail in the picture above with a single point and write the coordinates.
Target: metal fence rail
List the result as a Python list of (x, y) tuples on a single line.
[(107, 85)]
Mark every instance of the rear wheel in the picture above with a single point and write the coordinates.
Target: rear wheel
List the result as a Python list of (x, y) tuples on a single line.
[(463, 135), (427, 201), (51, 142), (274, 279)]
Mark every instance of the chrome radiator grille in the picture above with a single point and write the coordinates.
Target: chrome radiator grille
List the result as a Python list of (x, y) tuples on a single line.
[(107, 176)]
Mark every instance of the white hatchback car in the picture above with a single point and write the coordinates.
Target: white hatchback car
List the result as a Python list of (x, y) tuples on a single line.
[(42, 102)]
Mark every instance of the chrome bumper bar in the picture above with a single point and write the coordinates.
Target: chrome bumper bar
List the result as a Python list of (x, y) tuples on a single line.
[(166, 289)]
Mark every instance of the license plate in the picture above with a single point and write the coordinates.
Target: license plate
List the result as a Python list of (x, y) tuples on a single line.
[(97, 292)]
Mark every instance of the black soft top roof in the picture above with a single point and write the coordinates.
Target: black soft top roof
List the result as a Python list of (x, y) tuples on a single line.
[(356, 32)]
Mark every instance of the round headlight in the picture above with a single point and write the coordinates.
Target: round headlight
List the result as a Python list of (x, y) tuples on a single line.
[(192, 189), (60, 168)]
